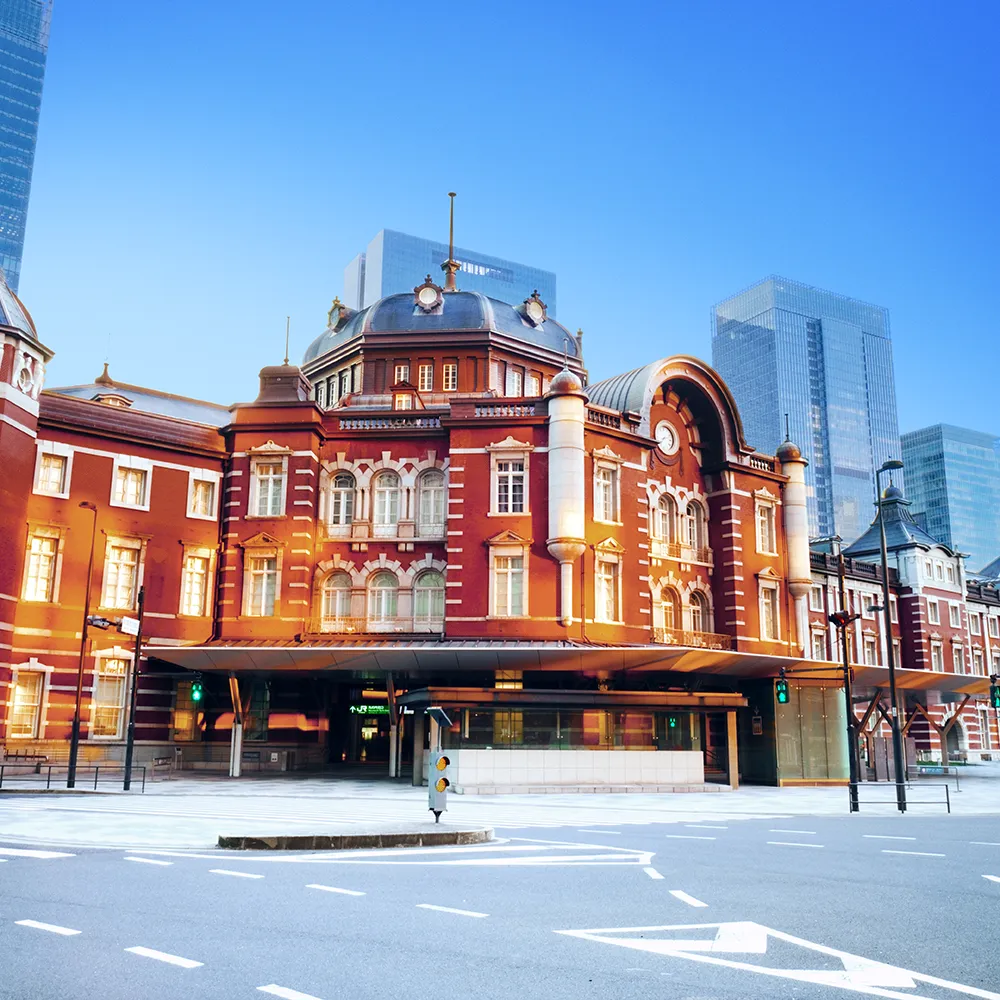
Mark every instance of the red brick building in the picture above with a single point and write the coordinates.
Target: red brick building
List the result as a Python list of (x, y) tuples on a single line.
[(435, 508)]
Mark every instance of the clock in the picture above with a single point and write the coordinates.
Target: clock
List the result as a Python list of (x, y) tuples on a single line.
[(535, 311), (666, 438), (427, 296)]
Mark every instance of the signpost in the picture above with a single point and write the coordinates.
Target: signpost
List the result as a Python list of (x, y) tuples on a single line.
[(133, 626)]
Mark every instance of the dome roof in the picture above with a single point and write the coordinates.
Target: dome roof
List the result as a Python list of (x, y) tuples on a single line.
[(459, 311), (565, 384), (13, 312), (788, 451)]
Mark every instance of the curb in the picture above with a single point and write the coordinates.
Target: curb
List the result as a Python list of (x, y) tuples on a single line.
[(357, 841)]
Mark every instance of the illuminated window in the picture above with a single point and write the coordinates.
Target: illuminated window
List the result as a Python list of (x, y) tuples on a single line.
[(261, 585), (509, 487), (425, 378), (667, 612), (386, 512), (383, 591), (449, 377), (340, 509), (606, 494), (508, 586), (401, 374), (52, 476), (41, 560), (268, 485), (606, 591), (336, 600), (26, 709), (428, 598), (515, 382), (766, 538), (130, 488), (201, 497), (121, 573), (402, 401), (110, 679), (769, 621), (431, 502), (194, 585)]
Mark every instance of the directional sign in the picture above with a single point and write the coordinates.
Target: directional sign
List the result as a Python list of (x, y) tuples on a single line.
[(818, 963), (130, 626)]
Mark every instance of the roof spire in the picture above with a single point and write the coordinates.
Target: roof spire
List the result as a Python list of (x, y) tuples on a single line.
[(788, 433), (450, 266), (104, 378), (288, 324)]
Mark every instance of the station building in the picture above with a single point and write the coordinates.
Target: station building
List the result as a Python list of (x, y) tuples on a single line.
[(599, 583)]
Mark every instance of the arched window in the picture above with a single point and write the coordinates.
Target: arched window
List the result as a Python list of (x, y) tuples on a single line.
[(340, 509), (336, 607), (386, 508), (699, 613), (694, 526), (431, 502), (383, 590), (668, 614), (665, 519), (428, 600)]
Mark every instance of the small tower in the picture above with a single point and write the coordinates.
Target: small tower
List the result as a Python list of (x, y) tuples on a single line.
[(796, 523)]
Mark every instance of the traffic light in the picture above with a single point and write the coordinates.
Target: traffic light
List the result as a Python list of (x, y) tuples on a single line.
[(438, 784), (995, 695), (781, 689), (671, 721), (197, 691)]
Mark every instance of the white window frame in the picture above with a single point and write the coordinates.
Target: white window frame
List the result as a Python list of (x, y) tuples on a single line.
[(696, 523), (436, 596), (993, 625), (929, 569), (260, 552), (401, 373), (61, 450), (515, 552), (335, 617), (45, 672), (937, 654), (958, 658), (197, 552), (402, 401), (377, 618), (515, 382), (43, 531), (933, 612), (869, 648), (203, 476), (978, 662), (134, 463), (766, 509), (818, 637), (339, 521), (274, 458), (954, 615), (611, 562), (816, 598), (449, 376), (425, 377), (698, 599), (975, 624), (433, 527), (985, 736), (138, 545), (893, 610), (613, 469), (501, 453), (868, 602), (949, 572), (765, 586), (114, 653), (383, 526)]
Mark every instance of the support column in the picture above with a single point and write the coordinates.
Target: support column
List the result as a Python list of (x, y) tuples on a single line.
[(732, 751), (796, 522), (418, 748), (236, 736)]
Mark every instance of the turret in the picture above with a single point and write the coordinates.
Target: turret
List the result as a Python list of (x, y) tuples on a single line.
[(567, 488), (796, 522)]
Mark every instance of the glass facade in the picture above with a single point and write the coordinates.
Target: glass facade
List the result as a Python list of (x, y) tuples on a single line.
[(395, 262), (826, 361), (24, 42), (953, 480)]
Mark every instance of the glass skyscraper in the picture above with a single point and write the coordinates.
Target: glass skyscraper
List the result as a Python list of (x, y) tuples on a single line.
[(825, 360), (953, 479), (395, 262), (24, 42)]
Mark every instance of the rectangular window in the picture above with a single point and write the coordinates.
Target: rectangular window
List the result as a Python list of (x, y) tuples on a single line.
[(40, 567), (403, 401), (51, 478), (871, 651), (401, 374), (320, 394), (954, 615), (121, 574), (893, 610), (949, 572), (606, 494), (425, 378), (508, 586), (958, 659), (994, 627), (194, 586), (510, 487), (606, 591), (130, 488), (515, 382), (765, 528), (345, 383), (815, 598), (202, 499), (974, 627), (109, 696), (867, 604), (937, 656), (985, 736), (819, 645), (27, 707), (269, 481), (496, 382), (262, 585), (532, 386), (449, 377), (933, 613), (769, 613), (938, 571), (977, 662), (929, 569)]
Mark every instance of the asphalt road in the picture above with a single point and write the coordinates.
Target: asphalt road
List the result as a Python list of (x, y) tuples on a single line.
[(707, 911)]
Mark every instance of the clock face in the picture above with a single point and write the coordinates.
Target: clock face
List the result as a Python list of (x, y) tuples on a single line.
[(427, 296), (25, 380), (535, 312), (666, 438)]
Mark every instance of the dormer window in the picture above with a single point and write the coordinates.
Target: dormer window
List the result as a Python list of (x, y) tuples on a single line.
[(113, 399), (402, 401)]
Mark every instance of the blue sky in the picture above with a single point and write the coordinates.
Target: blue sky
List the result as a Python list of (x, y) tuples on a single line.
[(205, 169)]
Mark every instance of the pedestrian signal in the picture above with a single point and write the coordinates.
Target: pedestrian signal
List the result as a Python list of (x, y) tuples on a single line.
[(995, 695), (197, 691), (781, 690)]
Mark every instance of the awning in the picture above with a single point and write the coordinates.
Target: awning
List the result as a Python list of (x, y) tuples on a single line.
[(561, 698)]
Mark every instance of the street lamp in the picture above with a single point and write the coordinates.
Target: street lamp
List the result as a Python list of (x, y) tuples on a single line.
[(74, 740), (897, 738), (842, 619)]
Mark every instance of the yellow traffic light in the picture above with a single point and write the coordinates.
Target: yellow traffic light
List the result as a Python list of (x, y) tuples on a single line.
[(442, 762), (442, 784)]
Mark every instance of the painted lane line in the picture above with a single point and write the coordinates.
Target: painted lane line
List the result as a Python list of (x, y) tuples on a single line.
[(984, 843), (685, 836), (917, 854), (149, 861), (882, 836), (652, 873), (52, 928), (331, 888), (15, 852), (703, 826), (226, 871), (612, 833), (162, 956), (806, 833), (450, 909), (685, 898), (788, 843), (993, 878), (285, 993)]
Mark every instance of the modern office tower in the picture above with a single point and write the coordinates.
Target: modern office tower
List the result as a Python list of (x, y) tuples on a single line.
[(24, 42), (395, 262), (953, 478), (825, 361)]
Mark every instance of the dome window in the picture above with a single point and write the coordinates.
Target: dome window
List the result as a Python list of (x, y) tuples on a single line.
[(533, 310), (428, 297)]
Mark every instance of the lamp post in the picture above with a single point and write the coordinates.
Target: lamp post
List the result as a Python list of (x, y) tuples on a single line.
[(74, 740), (130, 738), (897, 738)]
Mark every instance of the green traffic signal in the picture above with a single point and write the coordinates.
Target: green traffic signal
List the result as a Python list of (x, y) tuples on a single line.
[(781, 691), (197, 691), (995, 695), (672, 722)]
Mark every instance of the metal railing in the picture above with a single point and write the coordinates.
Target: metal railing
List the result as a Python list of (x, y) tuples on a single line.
[(684, 637), (505, 409), (388, 423), (602, 419), (660, 548), (410, 625), (28, 770)]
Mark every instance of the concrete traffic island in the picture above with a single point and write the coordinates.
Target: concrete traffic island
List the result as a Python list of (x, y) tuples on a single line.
[(350, 838)]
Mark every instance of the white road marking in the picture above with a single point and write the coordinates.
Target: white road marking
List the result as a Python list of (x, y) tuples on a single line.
[(53, 928), (882, 836), (652, 873), (703, 826), (149, 861), (918, 854), (285, 992), (993, 878), (331, 888), (450, 909), (686, 836), (788, 843), (15, 852), (162, 956), (984, 843), (613, 833), (807, 833), (685, 898), (226, 871)]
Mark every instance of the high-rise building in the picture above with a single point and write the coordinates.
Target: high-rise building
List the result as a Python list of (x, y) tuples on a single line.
[(395, 262), (953, 478), (824, 361), (24, 42)]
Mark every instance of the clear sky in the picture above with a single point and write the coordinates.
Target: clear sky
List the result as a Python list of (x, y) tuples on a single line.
[(205, 169)]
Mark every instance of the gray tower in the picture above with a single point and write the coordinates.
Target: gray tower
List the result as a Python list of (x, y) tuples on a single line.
[(826, 361)]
